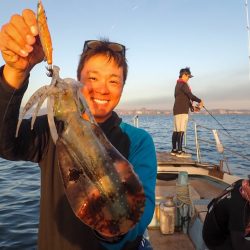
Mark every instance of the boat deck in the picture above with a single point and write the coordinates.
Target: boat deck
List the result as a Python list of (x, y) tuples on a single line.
[(201, 191), (167, 158), (176, 241)]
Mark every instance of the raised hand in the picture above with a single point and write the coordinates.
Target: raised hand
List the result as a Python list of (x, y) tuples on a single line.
[(20, 47)]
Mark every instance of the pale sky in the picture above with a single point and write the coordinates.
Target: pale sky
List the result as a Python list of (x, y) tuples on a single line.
[(161, 36)]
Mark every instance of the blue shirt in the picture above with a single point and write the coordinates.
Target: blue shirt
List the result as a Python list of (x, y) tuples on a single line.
[(142, 156)]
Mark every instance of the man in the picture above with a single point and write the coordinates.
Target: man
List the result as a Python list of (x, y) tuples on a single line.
[(102, 70), (227, 223), (182, 104)]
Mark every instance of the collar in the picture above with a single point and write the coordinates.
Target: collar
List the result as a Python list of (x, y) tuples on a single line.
[(181, 81), (113, 121)]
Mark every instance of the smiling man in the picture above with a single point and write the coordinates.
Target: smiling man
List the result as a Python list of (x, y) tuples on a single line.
[(102, 76), (102, 70)]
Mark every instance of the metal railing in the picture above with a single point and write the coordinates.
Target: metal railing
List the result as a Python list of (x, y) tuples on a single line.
[(207, 139), (136, 121), (217, 142)]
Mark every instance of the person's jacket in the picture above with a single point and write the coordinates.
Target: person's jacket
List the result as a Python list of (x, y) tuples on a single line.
[(183, 98), (226, 221)]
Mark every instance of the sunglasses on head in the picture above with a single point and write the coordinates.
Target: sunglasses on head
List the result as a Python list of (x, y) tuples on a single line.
[(93, 44)]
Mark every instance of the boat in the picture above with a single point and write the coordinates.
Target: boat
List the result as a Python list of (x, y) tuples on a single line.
[(205, 182)]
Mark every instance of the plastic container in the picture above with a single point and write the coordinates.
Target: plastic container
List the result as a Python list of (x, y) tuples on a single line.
[(167, 216)]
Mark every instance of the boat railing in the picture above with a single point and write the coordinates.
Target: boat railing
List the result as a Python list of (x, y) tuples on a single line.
[(216, 141), (213, 139), (204, 141), (136, 121)]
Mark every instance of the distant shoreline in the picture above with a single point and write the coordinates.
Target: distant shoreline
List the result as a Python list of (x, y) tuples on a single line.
[(145, 111)]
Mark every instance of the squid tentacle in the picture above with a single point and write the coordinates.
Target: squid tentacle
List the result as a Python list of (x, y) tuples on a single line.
[(50, 91), (32, 101), (51, 121)]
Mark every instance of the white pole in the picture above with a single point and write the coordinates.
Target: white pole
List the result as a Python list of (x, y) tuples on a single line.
[(198, 153), (248, 34)]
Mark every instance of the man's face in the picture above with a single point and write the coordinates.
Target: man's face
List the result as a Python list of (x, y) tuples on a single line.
[(185, 77), (102, 86)]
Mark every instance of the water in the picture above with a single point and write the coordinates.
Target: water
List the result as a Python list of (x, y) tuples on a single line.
[(19, 204), (20, 181), (235, 139)]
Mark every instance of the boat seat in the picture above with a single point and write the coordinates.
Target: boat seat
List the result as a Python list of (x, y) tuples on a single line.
[(163, 191), (195, 227), (200, 207), (201, 211)]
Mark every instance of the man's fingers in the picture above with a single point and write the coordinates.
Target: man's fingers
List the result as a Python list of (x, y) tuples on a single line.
[(18, 36), (29, 17), (12, 33), (12, 42), (22, 29)]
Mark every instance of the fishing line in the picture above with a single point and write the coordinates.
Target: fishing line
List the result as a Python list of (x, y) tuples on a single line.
[(216, 120), (209, 142), (236, 139)]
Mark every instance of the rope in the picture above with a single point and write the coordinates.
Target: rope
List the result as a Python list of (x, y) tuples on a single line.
[(183, 198)]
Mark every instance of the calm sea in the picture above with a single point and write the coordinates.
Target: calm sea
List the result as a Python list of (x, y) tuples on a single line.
[(19, 181)]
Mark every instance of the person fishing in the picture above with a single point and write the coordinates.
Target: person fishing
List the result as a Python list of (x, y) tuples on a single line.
[(184, 99), (102, 69), (227, 222)]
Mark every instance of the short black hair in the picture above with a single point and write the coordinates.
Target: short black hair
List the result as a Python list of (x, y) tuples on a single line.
[(103, 49)]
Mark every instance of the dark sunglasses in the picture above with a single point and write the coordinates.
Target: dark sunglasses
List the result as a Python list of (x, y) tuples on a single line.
[(116, 47)]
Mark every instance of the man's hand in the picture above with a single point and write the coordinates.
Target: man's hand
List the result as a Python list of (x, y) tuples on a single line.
[(201, 105), (197, 109), (20, 47)]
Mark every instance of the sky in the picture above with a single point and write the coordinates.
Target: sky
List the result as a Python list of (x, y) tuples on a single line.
[(161, 37)]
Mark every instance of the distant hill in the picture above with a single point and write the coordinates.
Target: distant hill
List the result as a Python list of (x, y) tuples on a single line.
[(144, 111)]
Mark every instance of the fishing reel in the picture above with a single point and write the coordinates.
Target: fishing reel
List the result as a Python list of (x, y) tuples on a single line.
[(195, 108)]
